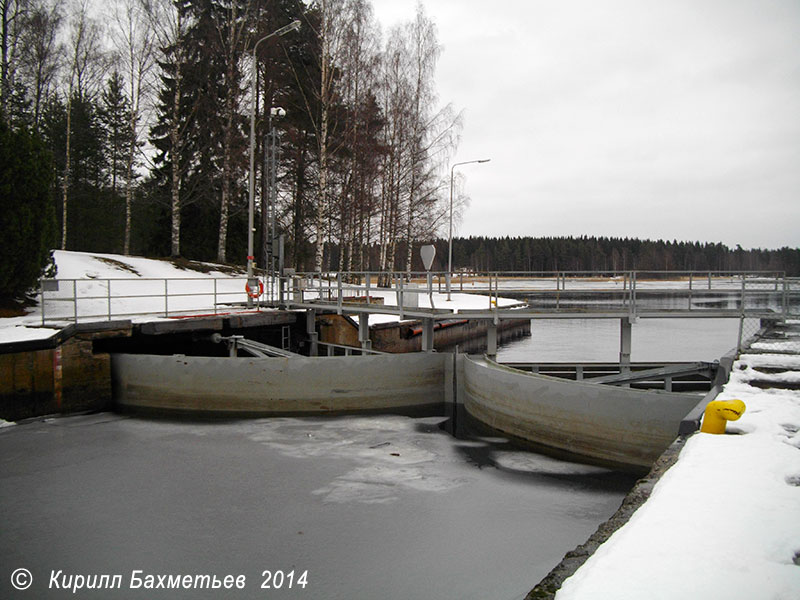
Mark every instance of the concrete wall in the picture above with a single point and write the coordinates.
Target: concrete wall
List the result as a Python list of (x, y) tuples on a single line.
[(612, 425), (278, 385)]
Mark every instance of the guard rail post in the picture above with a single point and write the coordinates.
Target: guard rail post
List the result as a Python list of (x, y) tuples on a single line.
[(785, 299), (400, 294), (338, 293)]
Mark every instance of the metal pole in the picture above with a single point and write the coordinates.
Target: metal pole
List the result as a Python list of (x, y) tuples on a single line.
[(450, 237), (273, 191), (252, 183)]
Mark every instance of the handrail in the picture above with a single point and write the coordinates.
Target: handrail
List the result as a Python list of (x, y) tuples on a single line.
[(632, 289), (106, 299), (349, 350)]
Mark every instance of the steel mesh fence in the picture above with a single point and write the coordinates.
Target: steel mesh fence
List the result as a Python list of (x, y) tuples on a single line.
[(779, 337)]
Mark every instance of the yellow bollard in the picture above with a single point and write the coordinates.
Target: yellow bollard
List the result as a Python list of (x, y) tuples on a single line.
[(719, 412)]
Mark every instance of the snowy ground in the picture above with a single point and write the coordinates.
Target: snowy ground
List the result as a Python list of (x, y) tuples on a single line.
[(114, 286), (90, 277), (111, 286), (724, 521)]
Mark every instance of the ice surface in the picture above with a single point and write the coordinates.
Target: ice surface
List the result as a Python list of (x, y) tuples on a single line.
[(373, 507)]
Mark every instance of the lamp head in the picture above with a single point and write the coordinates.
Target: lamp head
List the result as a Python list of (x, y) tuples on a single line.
[(287, 28)]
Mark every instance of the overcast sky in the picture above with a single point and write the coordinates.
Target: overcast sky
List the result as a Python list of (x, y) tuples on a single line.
[(671, 119)]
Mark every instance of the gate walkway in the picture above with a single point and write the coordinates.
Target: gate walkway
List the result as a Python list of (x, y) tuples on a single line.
[(560, 295)]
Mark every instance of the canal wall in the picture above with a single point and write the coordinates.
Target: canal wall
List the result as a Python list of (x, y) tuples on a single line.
[(61, 374), (547, 588)]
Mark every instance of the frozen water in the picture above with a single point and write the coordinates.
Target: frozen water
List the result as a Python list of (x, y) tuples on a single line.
[(373, 507)]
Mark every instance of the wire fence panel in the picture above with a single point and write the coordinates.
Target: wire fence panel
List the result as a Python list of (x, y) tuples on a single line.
[(776, 338)]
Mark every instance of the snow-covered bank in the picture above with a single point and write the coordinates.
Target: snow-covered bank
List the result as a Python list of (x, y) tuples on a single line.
[(724, 521), (93, 278), (116, 286), (112, 285)]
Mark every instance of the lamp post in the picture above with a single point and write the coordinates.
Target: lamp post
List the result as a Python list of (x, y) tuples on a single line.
[(450, 243), (251, 282)]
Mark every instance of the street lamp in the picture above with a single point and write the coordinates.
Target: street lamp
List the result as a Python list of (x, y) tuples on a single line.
[(450, 243), (251, 282)]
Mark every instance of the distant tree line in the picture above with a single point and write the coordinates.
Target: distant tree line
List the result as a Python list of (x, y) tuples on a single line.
[(612, 254), (588, 253)]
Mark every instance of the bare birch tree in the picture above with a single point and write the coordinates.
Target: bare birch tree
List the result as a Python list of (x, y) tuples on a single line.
[(419, 139), (332, 27), (433, 133), (359, 62), (12, 15), (84, 72), (134, 39), (42, 52), (169, 24), (233, 34), (395, 99)]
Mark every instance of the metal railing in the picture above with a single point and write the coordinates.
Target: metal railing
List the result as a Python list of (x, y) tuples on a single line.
[(107, 299), (740, 294), (632, 291), (344, 350)]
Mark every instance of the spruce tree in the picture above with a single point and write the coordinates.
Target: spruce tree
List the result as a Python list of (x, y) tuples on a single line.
[(27, 229), (115, 115)]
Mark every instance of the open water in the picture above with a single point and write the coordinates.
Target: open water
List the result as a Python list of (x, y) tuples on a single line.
[(652, 340)]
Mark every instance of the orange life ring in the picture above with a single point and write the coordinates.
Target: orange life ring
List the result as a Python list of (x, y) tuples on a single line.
[(254, 293)]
